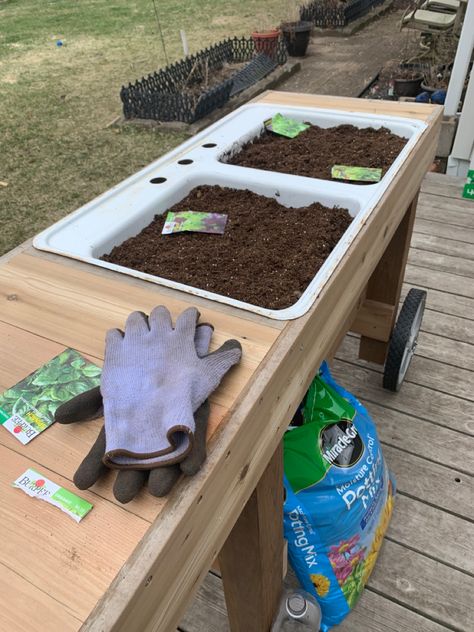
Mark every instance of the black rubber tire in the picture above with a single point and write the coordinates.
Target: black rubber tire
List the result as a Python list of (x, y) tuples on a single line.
[(404, 336)]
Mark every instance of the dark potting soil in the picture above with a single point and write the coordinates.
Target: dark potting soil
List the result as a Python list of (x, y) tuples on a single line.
[(267, 256), (316, 150)]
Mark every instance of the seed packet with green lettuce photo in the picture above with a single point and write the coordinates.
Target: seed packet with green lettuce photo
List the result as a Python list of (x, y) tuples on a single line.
[(284, 126), (28, 408), (359, 174)]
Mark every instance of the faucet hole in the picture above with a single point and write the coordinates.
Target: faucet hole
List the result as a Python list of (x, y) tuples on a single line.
[(185, 161), (209, 145), (158, 180)]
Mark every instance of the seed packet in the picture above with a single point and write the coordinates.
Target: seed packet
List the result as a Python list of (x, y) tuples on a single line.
[(195, 222), (38, 486), (359, 174), (284, 126), (28, 408), (339, 497)]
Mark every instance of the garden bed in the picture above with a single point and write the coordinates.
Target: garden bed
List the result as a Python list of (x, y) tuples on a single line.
[(198, 84), (267, 256), (316, 150), (335, 14)]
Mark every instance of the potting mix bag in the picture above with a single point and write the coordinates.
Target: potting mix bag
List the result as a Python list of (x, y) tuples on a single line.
[(339, 497)]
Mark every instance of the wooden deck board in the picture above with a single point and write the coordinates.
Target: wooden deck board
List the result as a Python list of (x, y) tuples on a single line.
[(442, 245), (445, 263), (425, 372), (451, 233), (424, 577)]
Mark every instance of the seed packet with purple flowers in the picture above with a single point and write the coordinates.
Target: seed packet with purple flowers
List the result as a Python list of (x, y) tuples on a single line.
[(195, 222)]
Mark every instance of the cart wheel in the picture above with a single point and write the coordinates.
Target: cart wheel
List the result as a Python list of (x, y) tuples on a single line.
[(404, 338)]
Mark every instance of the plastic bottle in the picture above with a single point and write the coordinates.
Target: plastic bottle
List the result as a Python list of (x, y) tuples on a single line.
[(298, 611)]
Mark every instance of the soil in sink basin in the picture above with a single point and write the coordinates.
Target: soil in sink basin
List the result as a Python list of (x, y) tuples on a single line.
[(267, 256), (316, 150)]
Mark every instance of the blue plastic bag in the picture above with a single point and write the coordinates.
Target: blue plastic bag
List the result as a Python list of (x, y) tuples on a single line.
[(339, 497)]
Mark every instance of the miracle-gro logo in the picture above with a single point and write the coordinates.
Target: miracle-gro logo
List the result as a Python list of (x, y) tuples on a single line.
[(340, 444), (37, 487)]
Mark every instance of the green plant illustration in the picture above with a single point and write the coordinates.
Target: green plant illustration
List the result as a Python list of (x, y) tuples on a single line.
[(359, 174), (57, 381), (284, 126), (353, 585)]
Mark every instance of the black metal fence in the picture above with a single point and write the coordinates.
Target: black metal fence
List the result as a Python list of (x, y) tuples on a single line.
[(334, 14), (172, 93)]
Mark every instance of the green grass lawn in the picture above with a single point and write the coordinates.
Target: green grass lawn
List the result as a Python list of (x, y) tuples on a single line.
[(56, 149)]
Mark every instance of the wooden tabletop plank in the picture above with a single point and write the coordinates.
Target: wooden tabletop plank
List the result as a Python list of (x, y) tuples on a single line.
[(76, 309), (61, 448), (17, 592), (73, 562), (420, 111)]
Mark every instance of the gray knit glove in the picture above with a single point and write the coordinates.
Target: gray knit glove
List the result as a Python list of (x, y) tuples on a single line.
[(129, 482), (152, 383)]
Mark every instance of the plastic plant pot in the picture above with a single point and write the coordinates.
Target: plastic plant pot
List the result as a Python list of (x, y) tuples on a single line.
[(266, 42), (407, 87), (297, 35)]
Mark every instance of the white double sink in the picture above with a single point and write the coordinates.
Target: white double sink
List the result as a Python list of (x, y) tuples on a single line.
[(123, 211)]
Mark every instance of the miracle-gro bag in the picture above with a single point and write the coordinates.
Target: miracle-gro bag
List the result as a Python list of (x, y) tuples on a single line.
[(339, 497)]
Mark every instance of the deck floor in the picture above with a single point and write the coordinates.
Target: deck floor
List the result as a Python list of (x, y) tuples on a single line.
[(424, 578)]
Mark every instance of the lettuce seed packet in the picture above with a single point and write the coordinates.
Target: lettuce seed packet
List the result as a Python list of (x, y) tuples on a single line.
[(28, 408)]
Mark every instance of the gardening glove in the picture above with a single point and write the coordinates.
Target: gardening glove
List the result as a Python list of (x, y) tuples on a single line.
[(152, 383), (128, 483)]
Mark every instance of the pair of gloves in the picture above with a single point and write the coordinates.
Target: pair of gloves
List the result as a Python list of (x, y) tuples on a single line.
[(153, 395)]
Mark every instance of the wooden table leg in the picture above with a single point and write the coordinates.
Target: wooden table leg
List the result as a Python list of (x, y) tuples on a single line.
[(385, 284), (251, 560)]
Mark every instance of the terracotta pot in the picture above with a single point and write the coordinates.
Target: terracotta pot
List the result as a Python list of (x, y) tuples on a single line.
[(266, 41)]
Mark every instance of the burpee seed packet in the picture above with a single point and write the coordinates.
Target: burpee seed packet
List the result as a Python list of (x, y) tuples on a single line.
[(28, 408)]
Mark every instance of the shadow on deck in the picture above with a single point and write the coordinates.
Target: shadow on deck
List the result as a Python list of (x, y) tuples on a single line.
[(424, 578)]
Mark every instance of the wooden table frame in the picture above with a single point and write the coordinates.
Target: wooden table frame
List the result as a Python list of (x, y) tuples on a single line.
[(253, 551), (233, 507)]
